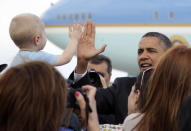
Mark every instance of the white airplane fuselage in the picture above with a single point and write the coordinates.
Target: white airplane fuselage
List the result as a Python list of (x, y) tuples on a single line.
[(122, 41), (121, 26)]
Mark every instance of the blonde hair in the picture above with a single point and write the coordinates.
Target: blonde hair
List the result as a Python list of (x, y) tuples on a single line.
[(24, 27)]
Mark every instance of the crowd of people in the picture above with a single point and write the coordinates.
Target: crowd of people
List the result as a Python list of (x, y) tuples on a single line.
[(35, 97)]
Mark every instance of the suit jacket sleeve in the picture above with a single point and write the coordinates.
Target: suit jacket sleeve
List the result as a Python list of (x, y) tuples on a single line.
[(114, 99), (105, 99)]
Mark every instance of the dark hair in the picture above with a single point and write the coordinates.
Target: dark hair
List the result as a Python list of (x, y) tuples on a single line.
[(98, 59), (141, 84), (185, 115), (163, 38), (32, 98)]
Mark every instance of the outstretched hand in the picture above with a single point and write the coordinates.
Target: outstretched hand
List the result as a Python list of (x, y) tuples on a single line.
[(86, 46), (75, 31)]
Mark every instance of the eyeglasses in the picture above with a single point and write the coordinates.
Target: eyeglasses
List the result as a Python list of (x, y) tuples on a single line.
[(2, 67), (143, 76)]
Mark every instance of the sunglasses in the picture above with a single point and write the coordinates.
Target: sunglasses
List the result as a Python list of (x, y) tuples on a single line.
[(143, 74), (2, 67)]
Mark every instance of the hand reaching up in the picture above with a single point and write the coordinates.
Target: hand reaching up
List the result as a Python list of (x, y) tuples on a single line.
[(75, 31), (86, 47)]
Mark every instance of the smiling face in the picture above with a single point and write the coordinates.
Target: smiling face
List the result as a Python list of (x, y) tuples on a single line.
[(149, 52)]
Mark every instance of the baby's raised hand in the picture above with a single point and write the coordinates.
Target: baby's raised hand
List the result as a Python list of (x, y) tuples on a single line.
[(75, 31)]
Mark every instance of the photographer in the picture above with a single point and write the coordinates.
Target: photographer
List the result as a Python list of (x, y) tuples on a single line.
[(102, 65)]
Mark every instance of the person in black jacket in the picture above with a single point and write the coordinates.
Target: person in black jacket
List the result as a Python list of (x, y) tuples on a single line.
[(113, 100), (103, 66)]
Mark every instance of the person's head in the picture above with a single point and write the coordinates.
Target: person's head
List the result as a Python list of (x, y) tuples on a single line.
[(32, 98), (102, 65), (27, 31), (151, 47), (137, 97), (169, 85)]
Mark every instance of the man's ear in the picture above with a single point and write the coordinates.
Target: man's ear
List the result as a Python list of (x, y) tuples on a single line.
[(37, 40)]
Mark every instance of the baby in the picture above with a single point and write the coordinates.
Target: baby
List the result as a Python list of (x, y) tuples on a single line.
[(28, 33)]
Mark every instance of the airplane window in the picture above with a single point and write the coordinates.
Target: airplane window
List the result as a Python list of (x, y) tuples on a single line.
[(156, 15), (58, 17), (70, 17), (170, 15), (82, 16), (76, 16), (64, 17), (89, 16)]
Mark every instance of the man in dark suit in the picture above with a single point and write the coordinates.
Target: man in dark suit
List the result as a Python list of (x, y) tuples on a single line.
[(113, 100), (102, 65)]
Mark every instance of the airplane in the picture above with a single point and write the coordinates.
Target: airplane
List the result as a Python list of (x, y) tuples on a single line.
[(120, 24)]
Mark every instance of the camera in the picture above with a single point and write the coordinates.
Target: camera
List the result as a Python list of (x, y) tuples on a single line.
[(93, 80), (71, 100)]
